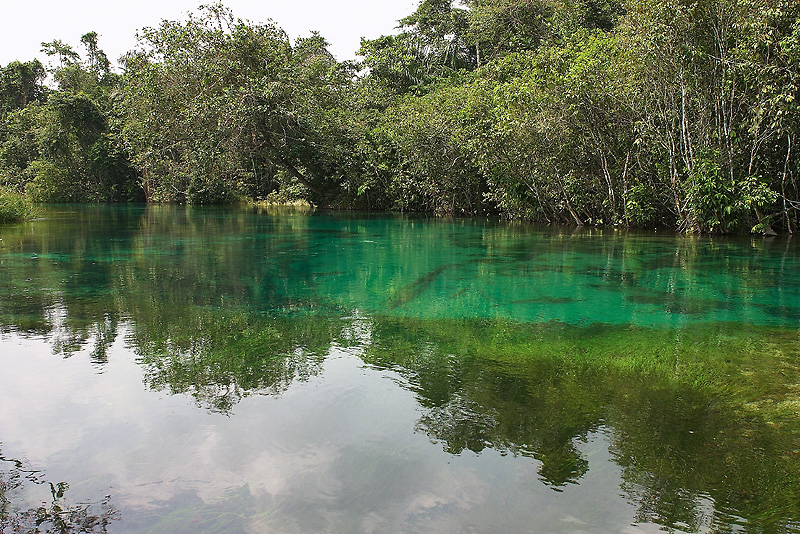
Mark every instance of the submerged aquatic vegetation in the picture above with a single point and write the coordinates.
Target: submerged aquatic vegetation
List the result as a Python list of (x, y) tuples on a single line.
[(668, 365), (706, 410), (55, 514)]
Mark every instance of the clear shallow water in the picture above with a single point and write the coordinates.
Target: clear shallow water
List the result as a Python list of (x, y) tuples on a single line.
[(228, 370)]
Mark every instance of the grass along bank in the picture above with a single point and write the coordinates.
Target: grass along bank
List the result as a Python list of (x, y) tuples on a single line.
[(14, 207)]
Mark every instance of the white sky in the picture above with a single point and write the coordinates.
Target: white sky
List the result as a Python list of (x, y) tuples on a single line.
[(24, 25)]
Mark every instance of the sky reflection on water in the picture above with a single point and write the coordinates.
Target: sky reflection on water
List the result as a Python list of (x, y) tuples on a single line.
[(227, 370)]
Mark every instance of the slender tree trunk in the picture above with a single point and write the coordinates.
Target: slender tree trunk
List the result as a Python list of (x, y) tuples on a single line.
[(625, 188), (686, 137), (783, 182), (607, 175), (768, 231), (578, 220), (148, 194)]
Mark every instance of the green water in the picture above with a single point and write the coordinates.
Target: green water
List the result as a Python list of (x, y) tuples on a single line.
[(236, 370)]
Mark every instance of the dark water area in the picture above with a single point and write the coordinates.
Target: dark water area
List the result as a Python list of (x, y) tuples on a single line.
[(181, 369)]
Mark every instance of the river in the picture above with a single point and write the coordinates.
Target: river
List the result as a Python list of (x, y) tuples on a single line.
[(184, 369)]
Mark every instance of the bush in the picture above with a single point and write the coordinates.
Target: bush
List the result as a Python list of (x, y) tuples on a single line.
[(14, 207)]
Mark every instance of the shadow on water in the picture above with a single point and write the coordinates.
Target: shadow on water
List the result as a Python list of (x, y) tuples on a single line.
[(411, 291), (680, 304)]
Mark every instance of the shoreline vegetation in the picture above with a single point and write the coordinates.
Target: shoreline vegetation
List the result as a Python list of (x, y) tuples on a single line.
[(14, 207), (629, 113)]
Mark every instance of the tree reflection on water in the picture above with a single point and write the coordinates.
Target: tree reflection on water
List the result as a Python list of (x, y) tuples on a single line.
[(701, 418), (55, 514)]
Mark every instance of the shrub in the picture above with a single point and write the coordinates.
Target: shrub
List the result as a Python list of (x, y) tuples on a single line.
[(14, 207)]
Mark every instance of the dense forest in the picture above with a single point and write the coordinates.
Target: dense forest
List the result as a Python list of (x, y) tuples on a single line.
[(675, 113)]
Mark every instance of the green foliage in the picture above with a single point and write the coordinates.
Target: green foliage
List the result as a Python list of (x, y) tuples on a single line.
[(598, 112), (97, 61), (640, 206), (65, 147), (217, 104), (719, 205), (711, 197), (18, 146), (77, 156), (433, 44), (499, 27), (560, 149), (707, 107), (14, 207), (20, 84), (66, 55), (52, 183), (594, 112), (431, 138)]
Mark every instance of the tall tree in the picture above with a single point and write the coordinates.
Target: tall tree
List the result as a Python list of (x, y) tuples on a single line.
[(98, 62), (64, 147), (20, 84), (211, 100), (433, 43)]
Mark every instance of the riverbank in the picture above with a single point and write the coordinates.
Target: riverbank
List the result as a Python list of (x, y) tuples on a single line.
[(14, 207)]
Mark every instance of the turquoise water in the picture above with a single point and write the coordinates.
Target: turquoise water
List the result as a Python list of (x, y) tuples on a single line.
[(243, 370)]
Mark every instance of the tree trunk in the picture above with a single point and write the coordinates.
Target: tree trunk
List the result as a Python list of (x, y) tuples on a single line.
[(768, 231), (269, 151), (783, 182)]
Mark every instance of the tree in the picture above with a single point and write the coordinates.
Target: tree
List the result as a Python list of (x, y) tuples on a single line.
[(212, 99), (433, 44), (701, 95), (66, 55), (20, 84), (98, 61), (499, 27), (62, 145)]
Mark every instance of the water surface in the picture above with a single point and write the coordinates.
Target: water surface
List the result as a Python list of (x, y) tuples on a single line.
[(238, 370)]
